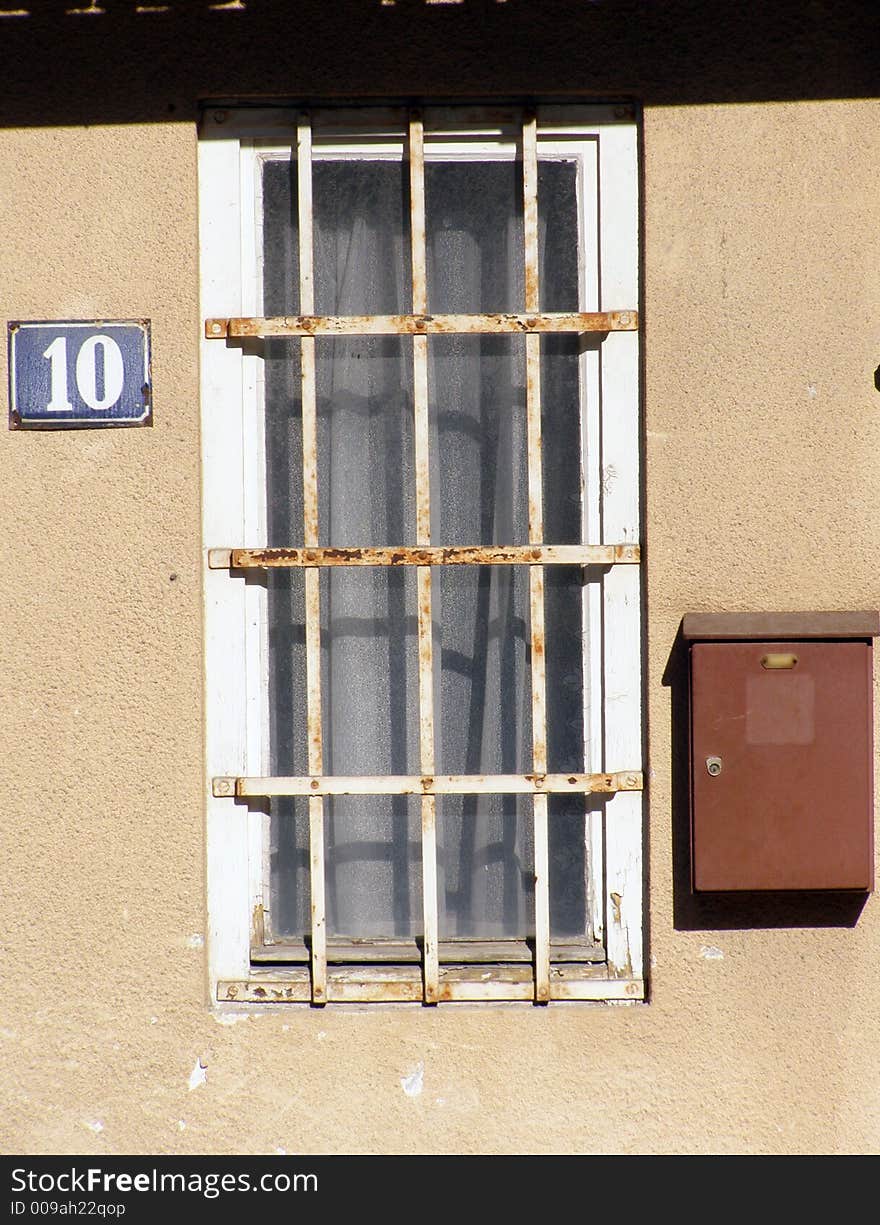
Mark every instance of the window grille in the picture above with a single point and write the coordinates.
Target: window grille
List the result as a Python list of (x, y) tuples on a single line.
[(539, 968)]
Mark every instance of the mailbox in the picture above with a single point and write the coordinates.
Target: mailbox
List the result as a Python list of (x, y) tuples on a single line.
[(781, 750)]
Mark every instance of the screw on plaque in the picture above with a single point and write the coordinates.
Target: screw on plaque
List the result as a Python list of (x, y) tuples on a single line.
[(713, 765)]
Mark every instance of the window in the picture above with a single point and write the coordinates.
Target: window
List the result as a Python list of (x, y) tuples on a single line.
[(421, 497)]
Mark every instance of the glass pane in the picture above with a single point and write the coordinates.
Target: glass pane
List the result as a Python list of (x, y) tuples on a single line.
[(370, 691), (560, 360), (366, 476), (374, 867), (289, 868), (479, 461), (486, 867), (283, 400), (484, 727), (568, 866), (369, 677), (361, 235), (280, 242), (475, 245), (289, 825), (558, 246)]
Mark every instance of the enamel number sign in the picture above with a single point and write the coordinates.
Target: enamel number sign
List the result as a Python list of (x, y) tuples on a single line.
[(79, 373)]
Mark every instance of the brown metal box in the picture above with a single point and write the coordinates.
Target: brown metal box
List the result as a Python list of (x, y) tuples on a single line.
[(781, 750)]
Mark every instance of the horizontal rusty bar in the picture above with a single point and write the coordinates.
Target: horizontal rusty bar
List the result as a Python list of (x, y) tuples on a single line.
[(402, 984), (578, 322), (424, 784), (428, 555)]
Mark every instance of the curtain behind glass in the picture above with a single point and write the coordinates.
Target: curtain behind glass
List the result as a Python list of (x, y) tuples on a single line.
[(479, 496)]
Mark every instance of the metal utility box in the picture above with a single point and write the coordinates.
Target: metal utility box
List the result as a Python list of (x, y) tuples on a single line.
[(781, 750)]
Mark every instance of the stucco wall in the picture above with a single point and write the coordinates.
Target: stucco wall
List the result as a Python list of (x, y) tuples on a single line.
[(762, 457)]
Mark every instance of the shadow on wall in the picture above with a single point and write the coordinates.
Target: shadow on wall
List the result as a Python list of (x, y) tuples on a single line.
[(90, 61), (696, 912)]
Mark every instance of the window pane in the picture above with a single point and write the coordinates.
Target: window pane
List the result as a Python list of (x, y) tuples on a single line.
[(374, 866), (369, 663), (369, 678), (560, 355), (486, 866), (366, 474), (479, 462), (475, 245), (568, 866), (361, 235), (289, 825), (289, 868), (558, 245), (281, 368), (485, 842), (280, 245), (485, 723)]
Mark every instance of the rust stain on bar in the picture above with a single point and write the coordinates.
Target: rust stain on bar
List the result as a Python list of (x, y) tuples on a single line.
[(534, 783), (429, 899), (542, 901), (423, 324), (530, 210), (317, 906), (312, 582), (310, 444), (536, 575), (422, 440), (539, 684), (417, 215), (426, 672), (434, 555), (423, 536)]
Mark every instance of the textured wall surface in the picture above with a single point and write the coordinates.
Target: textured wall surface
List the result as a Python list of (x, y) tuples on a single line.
[(762, 461)]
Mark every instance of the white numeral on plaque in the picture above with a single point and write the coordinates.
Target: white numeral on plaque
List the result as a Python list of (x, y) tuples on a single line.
[(57, 355), (89, 372)]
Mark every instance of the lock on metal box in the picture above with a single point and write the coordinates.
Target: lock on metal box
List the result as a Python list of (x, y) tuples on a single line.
[(781, 750)]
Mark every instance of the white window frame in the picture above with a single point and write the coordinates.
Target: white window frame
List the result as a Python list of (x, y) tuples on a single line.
[(232, 146)]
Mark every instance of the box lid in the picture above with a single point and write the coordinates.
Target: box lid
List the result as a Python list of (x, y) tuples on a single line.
[(742, 626)]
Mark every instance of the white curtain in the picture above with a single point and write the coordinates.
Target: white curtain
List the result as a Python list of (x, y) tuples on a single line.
[(367, 497)]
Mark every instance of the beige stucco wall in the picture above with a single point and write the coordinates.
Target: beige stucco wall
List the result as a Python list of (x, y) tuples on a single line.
[(762, 459)]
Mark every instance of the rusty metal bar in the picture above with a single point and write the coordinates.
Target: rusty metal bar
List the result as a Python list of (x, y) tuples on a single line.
[(401, 984), (430, 784), (423, 538), (536, 574), (312, 577), (421, 323), (428, 555)]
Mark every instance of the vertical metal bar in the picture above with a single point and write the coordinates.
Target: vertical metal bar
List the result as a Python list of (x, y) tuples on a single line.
[(423, 537), (312, 575), (536, 573)]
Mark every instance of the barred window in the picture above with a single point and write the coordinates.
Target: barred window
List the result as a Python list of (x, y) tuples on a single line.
[(421, 501)]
